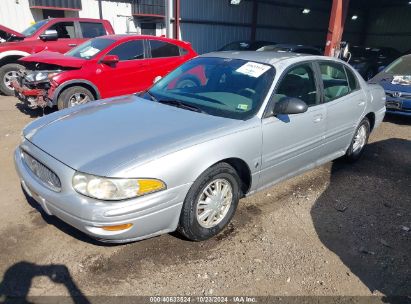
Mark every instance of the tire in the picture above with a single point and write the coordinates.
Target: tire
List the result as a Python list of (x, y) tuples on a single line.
[(189, 224), (68, 98), (7, 71), (354, 151)]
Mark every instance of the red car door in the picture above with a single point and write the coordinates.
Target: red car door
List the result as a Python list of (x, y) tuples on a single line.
[(129, 75), (68, 37), (165, 57)]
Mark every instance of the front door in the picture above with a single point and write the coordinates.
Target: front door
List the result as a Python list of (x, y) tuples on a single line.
[(292, 143), (129, 75)]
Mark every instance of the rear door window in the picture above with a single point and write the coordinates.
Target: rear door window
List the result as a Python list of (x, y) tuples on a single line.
[(130, 50), (334, 80), (161, 49), (92, 29), (352, 80)]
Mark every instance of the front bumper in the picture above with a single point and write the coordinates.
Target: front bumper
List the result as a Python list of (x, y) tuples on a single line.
[(398, 105), (151, 215), (33, 97)]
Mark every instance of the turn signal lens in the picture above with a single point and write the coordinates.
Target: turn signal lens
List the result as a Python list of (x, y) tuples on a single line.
[(117, 227), (150, 185)]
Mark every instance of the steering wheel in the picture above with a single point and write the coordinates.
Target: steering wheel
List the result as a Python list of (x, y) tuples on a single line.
[(247, 92)]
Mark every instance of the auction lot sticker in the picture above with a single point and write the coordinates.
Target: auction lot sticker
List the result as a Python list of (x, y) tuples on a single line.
[(253, 69)]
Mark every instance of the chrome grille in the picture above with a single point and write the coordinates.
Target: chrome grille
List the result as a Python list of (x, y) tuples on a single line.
[(44, 174)]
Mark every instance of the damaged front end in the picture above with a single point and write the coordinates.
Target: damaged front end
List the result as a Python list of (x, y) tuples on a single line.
[(34, 85)]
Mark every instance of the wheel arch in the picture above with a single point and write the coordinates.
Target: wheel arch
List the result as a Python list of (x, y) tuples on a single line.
[(371, 118), (243, 171), (82, 83), (11, 56)]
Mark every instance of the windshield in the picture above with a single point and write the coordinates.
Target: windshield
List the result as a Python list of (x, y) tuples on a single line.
[(230, 88), (401, 66), (34, 28), (91, 48)]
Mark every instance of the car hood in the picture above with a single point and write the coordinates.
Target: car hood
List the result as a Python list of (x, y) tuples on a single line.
[(385, 80), (55, 58), (100, 137), (6, 32)]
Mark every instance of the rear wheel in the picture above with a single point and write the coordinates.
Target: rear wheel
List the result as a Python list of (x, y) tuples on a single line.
[(74, 96), (359, 141), (210, 203), (8, 73)]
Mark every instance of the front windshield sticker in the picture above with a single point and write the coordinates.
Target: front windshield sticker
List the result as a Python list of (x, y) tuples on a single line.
[(253, 69), (89, 52), (242, 107), (401, 80)]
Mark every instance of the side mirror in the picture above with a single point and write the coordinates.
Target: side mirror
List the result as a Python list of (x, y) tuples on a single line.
[(290, 105), (110, 59), (157, 79), (49, 35)]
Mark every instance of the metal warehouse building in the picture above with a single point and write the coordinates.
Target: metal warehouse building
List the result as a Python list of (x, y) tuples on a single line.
[(210, 24)]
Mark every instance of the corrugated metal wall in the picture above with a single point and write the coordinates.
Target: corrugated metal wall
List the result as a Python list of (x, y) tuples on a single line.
[(230, 23), (390, 27)]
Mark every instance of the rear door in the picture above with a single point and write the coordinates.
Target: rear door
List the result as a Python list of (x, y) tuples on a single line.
[(129, 75), (164, 57), (345, 103), (293, 143)]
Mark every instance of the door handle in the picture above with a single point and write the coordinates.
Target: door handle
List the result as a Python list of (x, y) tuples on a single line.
[(318, 117), (362, 102), (72, 44)]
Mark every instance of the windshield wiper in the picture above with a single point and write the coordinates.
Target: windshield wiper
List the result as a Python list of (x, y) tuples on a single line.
[(182, 105), (153, 98)]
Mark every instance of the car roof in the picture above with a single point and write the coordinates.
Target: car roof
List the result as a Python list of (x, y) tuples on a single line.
[(270, 57), (125, 37)]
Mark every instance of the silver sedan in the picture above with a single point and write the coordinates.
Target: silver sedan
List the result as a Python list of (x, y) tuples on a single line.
[(181, 155)]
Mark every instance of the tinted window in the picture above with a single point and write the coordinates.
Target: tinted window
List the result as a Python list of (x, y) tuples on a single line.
[(129, 50), (401, 66), (334, 80), (92, 29), (298, 82), (90, 48), (64, 29), (352, 80), (163, 49)]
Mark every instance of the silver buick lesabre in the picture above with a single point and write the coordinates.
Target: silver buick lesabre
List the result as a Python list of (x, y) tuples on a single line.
[(181, 155)]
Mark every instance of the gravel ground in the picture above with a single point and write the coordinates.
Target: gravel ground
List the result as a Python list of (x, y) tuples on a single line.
[(337, 230)]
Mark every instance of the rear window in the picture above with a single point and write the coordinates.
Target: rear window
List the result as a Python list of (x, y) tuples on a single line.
[(92, 29), (163, 49)]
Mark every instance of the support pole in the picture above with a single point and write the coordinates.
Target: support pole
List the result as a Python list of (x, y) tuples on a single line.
[(168, 11), (177, 20), (100, 9), (336, 27)]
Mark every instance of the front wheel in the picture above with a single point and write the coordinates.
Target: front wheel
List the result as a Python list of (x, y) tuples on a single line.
[(360, 139), (210, 203), (8, 73), (74, 96)]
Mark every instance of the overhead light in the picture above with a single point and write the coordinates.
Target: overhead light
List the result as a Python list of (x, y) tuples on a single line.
[(306, 11), (354, 17), (409, 2), (235, 2)]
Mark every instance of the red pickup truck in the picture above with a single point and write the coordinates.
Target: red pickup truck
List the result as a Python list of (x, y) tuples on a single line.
[(58, 35)]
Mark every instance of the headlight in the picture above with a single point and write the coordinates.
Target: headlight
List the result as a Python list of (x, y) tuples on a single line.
[(113, 189), (41, 75)]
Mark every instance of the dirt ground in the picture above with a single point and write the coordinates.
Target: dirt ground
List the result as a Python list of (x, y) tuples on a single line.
[(337, 230)]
